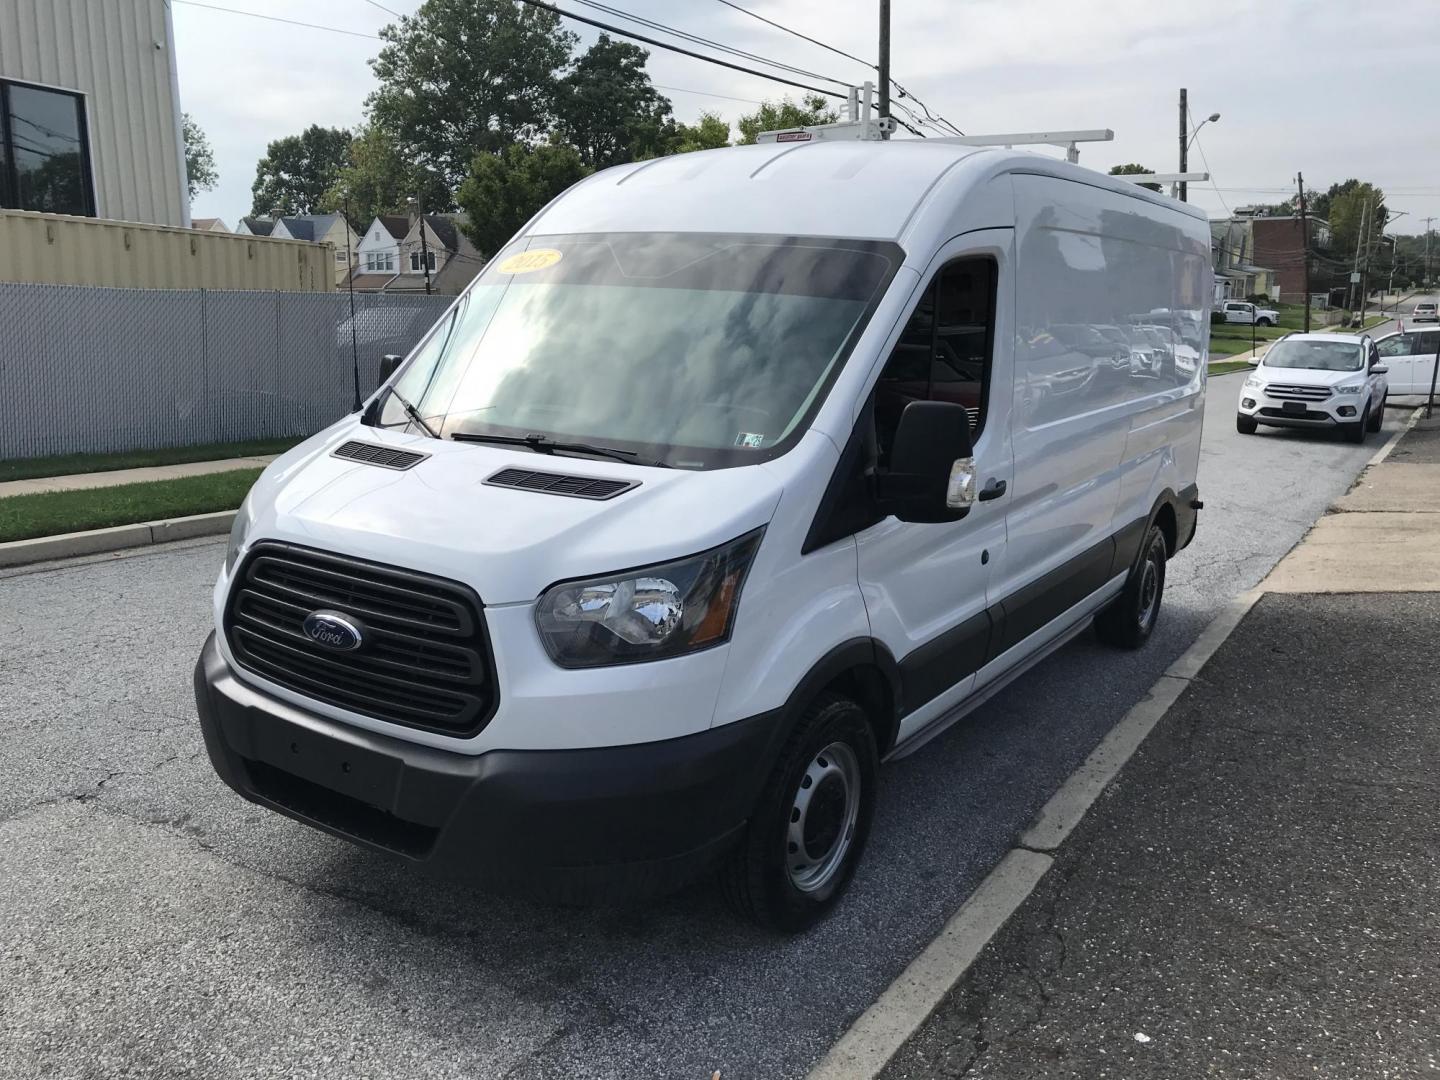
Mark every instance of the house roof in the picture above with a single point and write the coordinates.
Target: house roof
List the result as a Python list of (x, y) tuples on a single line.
[(397, 225), (204, 224), (299, 228), (258, 225), (444, 229), (369, 282)]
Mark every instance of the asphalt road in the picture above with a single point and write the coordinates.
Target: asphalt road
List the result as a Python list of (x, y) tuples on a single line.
[(152, 923)]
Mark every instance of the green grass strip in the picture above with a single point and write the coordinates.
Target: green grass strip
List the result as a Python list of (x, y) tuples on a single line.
[(1228, 365), (49, 513), (70, 464)]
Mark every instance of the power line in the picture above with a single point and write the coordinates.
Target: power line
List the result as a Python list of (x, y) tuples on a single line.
[(382, 7), (706, 93), (672, 48), (848, 56), (1195, 138), (685, 35), (277, 19)]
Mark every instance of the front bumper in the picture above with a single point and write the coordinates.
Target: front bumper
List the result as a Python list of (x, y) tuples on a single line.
[(573, 825), (1264, 409)]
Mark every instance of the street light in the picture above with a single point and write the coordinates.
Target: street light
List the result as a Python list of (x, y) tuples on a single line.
[(1194, 134)]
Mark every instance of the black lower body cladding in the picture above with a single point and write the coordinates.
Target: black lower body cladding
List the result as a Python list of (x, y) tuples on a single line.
[(569, 825)]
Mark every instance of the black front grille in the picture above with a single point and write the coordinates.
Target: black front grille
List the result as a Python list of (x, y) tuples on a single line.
[(1290, 414), (387, 457), (425, 661), (579, 487)]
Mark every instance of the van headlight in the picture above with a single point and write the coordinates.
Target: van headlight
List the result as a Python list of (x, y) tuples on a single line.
[(244, 518), (646, 614)]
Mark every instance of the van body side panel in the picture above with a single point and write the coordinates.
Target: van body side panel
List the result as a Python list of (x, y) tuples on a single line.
[(1102, 349)]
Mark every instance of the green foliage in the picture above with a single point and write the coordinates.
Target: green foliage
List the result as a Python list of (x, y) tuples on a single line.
[(1134, 170), (378, 180), (200, 172), (1344, 205), (465, 76), (771, 116), (709, 132), (504, 190), (298, 170), (608, 109)]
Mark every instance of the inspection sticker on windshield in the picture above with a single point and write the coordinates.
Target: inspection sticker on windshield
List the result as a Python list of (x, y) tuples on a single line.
[(527, 262), (749, 440)]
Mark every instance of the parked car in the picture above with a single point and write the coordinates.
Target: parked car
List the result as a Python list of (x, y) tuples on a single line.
[(677, 524), (1425, 312), (1242, 311), (1410, 356), (1334, 381)]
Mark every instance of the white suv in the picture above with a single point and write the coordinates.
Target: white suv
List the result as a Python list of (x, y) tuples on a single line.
[(1425, 313), (1316, 381)]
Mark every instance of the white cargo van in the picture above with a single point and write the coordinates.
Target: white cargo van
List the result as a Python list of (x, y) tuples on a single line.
[(733, 475)]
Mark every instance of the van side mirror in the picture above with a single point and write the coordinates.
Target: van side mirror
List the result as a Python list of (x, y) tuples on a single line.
[(388, 363), (932, 471)]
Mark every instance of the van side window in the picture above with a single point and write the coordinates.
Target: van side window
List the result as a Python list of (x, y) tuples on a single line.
[(944, 351), (1399, 345)]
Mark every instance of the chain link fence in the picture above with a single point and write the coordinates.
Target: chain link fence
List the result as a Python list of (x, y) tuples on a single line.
[(93, 370)]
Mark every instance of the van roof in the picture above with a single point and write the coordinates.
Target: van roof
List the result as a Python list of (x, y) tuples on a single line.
[(854, 189)]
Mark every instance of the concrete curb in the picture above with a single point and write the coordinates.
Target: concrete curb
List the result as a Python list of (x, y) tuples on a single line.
[(864, 1050), (117, 538)]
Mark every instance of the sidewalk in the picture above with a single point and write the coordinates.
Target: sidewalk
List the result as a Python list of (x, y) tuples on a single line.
[(1258, 892), (80, 481)]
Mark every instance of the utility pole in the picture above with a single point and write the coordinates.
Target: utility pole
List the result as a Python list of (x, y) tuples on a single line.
[(1428, 220), (1184, 141), (424, 244), (885, 61), (1304, 245), (1355, 266), (1365, 266), (350, 283)]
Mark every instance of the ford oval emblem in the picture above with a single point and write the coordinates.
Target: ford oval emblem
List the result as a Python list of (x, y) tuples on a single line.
[(333, 630)]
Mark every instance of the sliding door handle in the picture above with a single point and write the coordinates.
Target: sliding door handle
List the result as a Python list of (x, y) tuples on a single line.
[(993, 489)]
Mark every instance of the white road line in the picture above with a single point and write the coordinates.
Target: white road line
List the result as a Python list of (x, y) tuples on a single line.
[(873, 1039), (1395, 437)]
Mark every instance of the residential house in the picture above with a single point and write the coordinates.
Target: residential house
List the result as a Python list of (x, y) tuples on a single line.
[(393, 255), (1237, 270), (1278, 243), (330, 229), (91, 110), (209, 224), (255, 226)]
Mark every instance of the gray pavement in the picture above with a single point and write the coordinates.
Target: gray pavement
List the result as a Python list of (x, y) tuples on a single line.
[(1257, 895), (141, 901)]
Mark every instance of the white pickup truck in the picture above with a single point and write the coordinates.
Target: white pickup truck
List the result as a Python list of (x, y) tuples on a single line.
[(1241, 311)]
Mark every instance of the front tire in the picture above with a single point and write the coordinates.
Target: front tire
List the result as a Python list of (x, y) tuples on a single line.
[(1355, 433), (1263, 322), (1246, 425), (800, 849), (1130, 619)]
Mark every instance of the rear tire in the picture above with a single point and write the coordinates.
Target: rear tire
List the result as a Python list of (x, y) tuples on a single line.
[(1130, 619), (1246, 425), (805, 838), (1377, 417)]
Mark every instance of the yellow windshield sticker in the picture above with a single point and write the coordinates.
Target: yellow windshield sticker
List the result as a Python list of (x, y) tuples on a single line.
[(527, 262)]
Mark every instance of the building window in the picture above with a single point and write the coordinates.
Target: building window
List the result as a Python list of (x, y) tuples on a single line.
[(380, 261), (44, 151), (415, 261)]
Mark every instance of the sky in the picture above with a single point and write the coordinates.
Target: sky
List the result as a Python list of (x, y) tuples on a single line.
[(1316, 86)]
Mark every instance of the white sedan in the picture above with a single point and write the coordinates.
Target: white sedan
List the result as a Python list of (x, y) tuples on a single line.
[(1332, 381)]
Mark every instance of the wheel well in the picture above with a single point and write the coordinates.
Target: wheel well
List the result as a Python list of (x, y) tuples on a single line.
[(868, 688), (1165, 522)]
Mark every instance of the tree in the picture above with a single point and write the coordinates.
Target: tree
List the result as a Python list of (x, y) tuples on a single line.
[(771, 116), (709, 132), (298, 170), (607, 107), (1135, 170), (378, 180), (504, 190), (463, 76), (1346, 206), (200, 173)]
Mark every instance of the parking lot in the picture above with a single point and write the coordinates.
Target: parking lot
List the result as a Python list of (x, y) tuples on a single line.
[(154, 923)]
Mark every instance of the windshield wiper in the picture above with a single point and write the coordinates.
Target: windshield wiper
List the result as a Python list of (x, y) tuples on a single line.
[(412, 412), (543, 444)]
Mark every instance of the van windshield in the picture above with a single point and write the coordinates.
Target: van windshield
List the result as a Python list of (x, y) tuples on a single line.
[(1316, 355), (700, 351)]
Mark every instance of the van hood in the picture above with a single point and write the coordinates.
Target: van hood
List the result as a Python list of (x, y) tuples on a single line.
[(1306, 376), (440, 517)]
